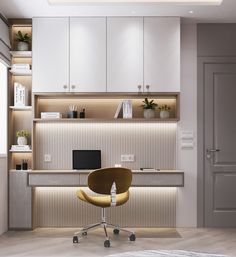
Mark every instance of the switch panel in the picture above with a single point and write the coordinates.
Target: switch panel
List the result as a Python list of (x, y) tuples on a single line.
[(47, 158), (127, 158)]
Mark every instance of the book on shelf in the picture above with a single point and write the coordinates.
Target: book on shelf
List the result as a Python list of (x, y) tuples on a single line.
[(124, 110), (119, 111), (20, 95), (127, 109), (20, 148), (20, 66), (51, 115)]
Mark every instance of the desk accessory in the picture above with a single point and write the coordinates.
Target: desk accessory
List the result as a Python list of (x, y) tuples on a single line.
[(82, 113), (72, 114), (18, 166), (24, 164)]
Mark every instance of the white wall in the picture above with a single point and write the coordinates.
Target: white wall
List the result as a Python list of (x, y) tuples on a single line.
[(187, 158), (3, 149)]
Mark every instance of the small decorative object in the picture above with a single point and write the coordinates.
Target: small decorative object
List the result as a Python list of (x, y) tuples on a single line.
[(22, 137), (23, 41), (149, 108), (164, 111), (24, 164), (72, 114), (18, 166), (82, 113)]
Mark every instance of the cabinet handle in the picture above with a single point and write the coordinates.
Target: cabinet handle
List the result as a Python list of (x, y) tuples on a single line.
[(139, 88), (73, 86), (147, 87), (65, 86)]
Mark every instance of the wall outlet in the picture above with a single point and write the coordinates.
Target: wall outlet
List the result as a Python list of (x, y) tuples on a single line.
[(127, 158), (47, 158)]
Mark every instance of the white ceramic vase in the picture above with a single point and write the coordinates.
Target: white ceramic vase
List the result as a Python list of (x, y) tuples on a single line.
[(164, 114), (149, 113), (22, 140), (22, 46)]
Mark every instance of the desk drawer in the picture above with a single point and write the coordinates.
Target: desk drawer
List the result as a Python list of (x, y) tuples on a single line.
[(53, 179), (158, 179)]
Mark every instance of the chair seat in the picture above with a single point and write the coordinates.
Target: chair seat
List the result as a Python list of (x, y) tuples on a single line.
[(102, 201)]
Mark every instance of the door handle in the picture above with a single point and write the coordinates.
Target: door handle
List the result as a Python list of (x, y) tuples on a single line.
[(213, 150)]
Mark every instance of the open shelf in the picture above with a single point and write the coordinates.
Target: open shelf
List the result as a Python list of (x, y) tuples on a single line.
[(105, 120), (20, 151), (21, 73), (21, 54), (21, 108)]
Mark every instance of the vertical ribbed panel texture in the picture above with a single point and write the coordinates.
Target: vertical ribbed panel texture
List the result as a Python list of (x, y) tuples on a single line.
[(147, 207), (153, 144)]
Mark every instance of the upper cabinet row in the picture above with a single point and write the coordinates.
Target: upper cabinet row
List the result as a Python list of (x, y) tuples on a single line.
[(124, 54)]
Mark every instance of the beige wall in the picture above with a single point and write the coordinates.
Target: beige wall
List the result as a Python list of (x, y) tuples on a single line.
[(187, 158), (3, 194)]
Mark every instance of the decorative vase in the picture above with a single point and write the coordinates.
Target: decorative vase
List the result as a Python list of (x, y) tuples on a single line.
[(22, 46), (164, 114), (149, 113), (22, 140)]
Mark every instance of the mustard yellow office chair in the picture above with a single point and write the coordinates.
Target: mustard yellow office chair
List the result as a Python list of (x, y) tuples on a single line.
[(113, 184)]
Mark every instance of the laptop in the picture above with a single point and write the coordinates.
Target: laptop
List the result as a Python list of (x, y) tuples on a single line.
[(86, 159)]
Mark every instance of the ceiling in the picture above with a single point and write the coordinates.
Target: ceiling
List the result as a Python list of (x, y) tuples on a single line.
[(226, 12)]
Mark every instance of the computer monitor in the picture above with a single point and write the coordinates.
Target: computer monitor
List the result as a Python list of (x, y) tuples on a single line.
[(86, 159)]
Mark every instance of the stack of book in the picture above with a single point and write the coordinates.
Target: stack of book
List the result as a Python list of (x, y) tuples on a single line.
[(20, 68), (124, 110), (20, 95), (51, 115), (20, 148)]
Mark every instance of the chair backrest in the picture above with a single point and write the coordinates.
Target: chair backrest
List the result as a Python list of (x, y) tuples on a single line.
[(101, 180)]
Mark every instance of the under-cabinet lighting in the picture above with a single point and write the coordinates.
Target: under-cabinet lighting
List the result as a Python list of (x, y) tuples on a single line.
[(196, 2)]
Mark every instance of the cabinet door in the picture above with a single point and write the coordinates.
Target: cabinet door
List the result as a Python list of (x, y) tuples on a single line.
[(50, 55), (162, 54), (124, 54), (88, 54)]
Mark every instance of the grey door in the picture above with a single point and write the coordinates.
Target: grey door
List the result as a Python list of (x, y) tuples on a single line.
[(220, 144)]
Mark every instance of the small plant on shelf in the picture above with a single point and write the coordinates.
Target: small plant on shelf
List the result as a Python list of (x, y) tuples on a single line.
[(23, 40), (149, 108), (164, 111), (22, 136)]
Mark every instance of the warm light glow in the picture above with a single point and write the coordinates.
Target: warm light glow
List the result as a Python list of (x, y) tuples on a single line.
[(196, 2)]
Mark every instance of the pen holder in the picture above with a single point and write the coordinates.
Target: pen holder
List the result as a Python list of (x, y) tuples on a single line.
[(72, 114), (82, 115)]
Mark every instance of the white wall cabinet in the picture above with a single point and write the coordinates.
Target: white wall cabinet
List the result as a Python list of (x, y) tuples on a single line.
[(88, 54), (162, 54), (50, 55), (124, 54)]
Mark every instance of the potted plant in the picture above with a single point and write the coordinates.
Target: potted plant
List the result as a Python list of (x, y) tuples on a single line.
[(164, 111), (23, 41), (149, 108), (22, 136)]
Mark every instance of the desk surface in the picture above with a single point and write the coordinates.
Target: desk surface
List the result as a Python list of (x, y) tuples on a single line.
[(70, 178)]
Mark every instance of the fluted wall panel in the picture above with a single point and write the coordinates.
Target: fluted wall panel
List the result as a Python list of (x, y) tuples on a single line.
[(147, 207), (153, 144)]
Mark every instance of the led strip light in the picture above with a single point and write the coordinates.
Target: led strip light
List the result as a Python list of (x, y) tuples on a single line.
[(186, 2)]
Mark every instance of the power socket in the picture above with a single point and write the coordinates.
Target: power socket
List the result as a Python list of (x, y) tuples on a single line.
[(127, 158), (47, 158)]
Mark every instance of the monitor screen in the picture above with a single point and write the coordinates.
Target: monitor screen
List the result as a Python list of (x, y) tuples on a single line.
[(86, 159)]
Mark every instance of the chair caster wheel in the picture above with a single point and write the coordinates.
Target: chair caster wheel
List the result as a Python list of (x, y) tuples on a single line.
[(75, 240), (84, 233), (116, 231), (107, 244), (132, 237)]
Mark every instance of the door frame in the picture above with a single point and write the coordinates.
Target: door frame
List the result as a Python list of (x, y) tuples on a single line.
[(202, 61)]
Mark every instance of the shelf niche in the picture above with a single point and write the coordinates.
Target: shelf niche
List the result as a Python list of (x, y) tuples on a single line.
[(102, 107)]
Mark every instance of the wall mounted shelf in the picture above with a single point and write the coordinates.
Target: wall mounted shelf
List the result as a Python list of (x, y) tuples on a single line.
[(22, 73), (21, 54), (20, 151), (21, 108)]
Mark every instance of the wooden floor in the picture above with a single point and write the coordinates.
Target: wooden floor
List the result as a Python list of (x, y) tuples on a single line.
[(58, 242)]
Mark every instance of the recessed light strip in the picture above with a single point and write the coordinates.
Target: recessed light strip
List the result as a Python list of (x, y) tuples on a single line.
[(188, 2)]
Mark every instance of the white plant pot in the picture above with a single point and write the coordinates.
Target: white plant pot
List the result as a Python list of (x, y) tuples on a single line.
[(148, 113), (164, 114), (22, 140), (22, 46)]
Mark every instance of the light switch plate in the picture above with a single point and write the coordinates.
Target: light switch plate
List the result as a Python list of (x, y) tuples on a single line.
[(47, 158)]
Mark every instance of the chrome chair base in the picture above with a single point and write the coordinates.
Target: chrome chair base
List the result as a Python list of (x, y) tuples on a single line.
[(105, 225)]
